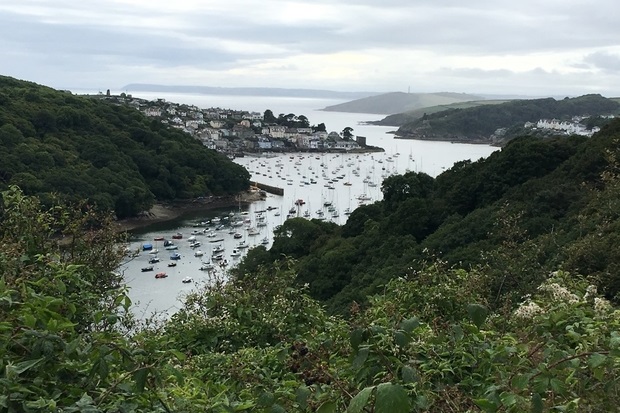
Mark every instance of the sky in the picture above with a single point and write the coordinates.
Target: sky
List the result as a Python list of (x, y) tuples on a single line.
[(526, 47)]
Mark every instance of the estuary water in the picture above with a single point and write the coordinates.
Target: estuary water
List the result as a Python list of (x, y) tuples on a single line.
[(316, 186)]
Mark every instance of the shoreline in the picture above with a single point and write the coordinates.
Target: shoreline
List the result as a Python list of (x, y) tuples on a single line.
[(162, 212)]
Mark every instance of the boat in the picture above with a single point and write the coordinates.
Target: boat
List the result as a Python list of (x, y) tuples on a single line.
[(160, 238), (195, 244), (218, 249), (235, 253), (299, 202), (175, 256), (172, 264), (264, 241), (192, 238), (187, 280), (237, 235), (178, 235), (147, 247), (149, 268), (154, 252), (242, 245), (153, 260), (161, 275), (172, 247), (207, 266), (168, 243), (253, 231), (198, 253)]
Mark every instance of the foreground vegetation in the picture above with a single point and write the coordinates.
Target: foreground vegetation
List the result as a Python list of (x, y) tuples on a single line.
[(428, 342), (54, 142)]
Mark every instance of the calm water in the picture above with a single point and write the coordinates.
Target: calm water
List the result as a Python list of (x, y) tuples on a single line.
[(341, 180)]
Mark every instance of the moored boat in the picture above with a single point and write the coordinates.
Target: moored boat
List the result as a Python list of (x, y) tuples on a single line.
[(161, 275), (149, 268)]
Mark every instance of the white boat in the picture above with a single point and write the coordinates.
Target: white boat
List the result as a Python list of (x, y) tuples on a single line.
[(264, 241), (242, 245), (235, 253), (154, 252), (187, 280), (207, 266), (199, 253), (253, 231), (218, 249), (192, 238)]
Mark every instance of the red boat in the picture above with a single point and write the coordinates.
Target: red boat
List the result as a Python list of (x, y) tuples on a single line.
[(178, 235), (161, 275)]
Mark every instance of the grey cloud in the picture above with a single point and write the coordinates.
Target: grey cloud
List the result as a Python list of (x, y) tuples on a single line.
[(602, 60)]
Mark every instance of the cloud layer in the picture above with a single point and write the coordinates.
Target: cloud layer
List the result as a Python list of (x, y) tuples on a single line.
[(555, 47)]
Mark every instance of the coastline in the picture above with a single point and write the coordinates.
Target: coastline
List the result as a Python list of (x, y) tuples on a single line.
[(162, 212)]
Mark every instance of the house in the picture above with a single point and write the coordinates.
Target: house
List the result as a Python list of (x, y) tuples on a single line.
[(154, 112)]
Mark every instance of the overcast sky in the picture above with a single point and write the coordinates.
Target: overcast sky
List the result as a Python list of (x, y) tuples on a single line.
[(526, 47)]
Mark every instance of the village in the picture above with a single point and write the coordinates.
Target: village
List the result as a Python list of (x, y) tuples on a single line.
[(237, 133)]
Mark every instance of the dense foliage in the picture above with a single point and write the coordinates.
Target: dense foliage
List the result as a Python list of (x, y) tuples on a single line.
[(428, 342), (490, 288), (480, 122), (534, 195), (55, 142)]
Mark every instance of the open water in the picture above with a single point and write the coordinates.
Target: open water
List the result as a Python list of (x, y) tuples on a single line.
[(317, 186)]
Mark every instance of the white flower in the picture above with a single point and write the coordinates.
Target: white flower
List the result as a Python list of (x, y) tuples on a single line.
[(601, 306), (528, 310)]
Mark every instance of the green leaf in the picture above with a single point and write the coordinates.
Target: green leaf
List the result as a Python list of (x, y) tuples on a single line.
[(477, 313), (557, 385), (360, 400), (508, 399), (410, 324), (266, 399), (596, 360), (23, 366), (356, 338), (409, 374), (401, 339), (520, 381), (486, 405), (179, 356), (140, 378), (361, 357), (301, 396), (276, 408), (327, 407), (537, 403), (391, 398)]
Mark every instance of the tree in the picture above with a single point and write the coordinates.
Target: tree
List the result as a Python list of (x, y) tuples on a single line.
[(269, 117), (346, 133)]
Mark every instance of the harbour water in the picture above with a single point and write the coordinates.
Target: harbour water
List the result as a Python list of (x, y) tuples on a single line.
[(316, 186)]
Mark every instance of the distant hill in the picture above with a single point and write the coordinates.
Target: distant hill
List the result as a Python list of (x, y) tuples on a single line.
[(400, 119), (398, 102), (247, 91), (478, 124)]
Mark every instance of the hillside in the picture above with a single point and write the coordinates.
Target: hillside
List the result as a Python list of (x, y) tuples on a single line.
[(52, 142), (398, 102), (478, 124), (400, 119), (530, 196)]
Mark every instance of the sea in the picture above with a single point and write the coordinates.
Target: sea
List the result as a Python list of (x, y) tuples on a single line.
[(316, 186)]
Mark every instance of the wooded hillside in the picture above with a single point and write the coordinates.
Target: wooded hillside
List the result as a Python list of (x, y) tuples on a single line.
[(477, 124), (112, 155)]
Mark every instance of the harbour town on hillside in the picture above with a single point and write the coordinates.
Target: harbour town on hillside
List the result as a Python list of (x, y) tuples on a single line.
[(237, 133)]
